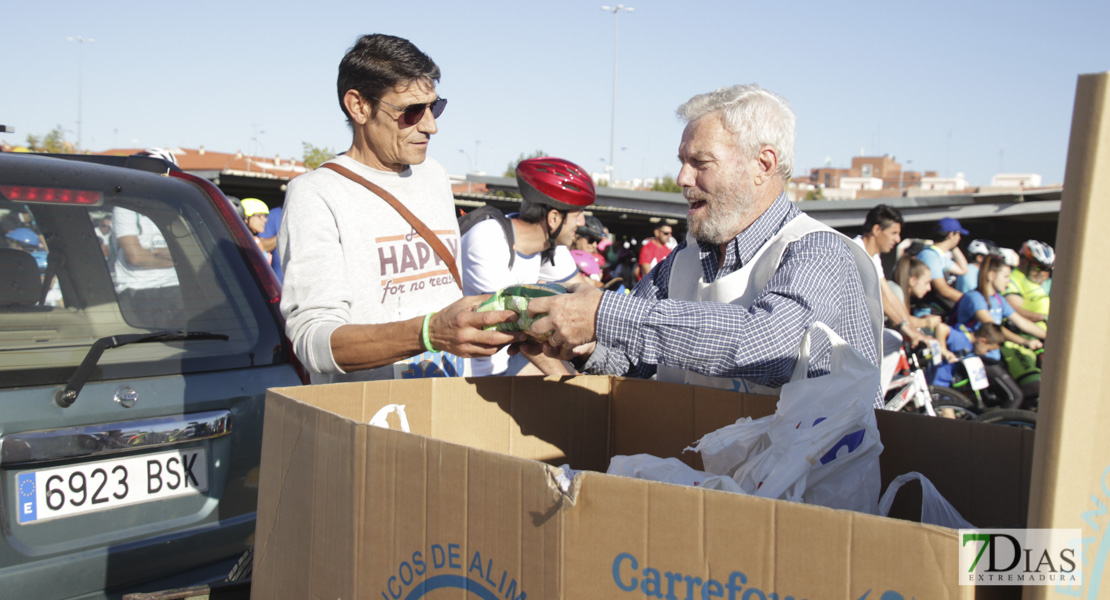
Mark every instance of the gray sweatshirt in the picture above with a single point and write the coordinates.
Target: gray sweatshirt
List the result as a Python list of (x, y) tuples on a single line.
[(349, 257)]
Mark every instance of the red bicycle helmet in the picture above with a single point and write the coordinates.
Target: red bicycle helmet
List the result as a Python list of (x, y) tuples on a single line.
[(555, 182)]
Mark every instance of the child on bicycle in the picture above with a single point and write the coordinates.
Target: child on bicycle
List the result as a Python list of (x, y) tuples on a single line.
[(984, 305), (913, 277), (988, 338)]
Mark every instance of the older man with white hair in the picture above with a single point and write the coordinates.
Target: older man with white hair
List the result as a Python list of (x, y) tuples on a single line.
[(728, 308)]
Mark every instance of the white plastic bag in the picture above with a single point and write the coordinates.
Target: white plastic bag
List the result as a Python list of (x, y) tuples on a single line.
[(667, 470), (724, 450), (646, 466), (822, 444), (380, 418), (935, 510)]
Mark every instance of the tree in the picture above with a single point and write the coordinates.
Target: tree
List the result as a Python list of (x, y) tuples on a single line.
[(510, 171), (667, 184), (53, 142), (815, 194), (314, 157)]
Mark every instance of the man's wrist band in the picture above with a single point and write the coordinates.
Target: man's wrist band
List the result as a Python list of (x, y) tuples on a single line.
[(424, 335), (903, 324)]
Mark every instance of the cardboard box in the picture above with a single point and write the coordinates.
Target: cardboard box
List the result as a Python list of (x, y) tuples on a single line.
[(1072, 464), (469, 499)]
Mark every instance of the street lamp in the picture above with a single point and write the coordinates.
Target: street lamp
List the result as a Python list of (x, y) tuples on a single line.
[(901, 171), (81, 41), (616, 10), (471, 161), (250, 147)]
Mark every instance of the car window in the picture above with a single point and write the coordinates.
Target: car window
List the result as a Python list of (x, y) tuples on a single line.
[(151, 256)]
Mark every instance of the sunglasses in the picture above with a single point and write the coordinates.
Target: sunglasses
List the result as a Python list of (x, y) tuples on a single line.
[(411, 114)]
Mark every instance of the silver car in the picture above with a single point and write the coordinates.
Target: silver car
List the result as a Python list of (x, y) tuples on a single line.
[(134, 361)]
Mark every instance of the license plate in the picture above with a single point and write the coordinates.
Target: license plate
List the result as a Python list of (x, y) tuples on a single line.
[(94, 486)]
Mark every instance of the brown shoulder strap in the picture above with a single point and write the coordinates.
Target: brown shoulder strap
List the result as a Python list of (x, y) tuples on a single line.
[(428, 235)]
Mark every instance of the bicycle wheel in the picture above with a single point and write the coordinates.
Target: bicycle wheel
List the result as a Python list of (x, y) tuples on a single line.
[(1014, 417), (948, 398)]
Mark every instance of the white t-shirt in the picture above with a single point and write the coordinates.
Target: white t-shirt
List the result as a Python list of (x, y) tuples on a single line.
[(874, 257), (485, 270), (130, 223)]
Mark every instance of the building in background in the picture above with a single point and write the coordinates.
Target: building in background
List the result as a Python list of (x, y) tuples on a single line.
[(236, 174)]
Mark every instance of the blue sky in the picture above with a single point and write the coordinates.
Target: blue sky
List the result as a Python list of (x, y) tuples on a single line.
[(967, 87)]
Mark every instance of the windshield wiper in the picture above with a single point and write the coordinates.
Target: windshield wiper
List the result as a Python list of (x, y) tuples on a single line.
[(66, 396)]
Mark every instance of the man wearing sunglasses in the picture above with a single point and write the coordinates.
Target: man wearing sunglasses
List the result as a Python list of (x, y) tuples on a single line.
[(365, 296)]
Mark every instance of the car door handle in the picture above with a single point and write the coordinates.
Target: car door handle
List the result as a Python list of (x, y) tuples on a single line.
[(111, 438)]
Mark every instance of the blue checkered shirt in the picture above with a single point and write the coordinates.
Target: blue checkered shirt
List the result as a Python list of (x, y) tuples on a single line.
[(817, 280)]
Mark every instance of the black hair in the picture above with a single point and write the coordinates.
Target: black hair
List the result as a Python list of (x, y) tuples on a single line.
[(882, 215), (534, 212), (378, 63)]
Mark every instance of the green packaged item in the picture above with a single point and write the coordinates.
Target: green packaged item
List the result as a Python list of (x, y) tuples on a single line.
[(515, 298)]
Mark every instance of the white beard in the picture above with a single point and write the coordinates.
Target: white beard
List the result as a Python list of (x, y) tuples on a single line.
[(724, 215)]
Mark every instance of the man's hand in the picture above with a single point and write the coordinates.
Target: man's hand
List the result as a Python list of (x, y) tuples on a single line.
[(571, 319), (913, 336), (1034, 344), (458, 329)]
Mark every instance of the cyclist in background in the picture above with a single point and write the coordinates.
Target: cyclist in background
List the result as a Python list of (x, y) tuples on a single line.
[(945, 260), (988, 338), (977, 251), (985, 305), (556, 193), (1026, 293), (584, 250), (914, 279), (256, 213)]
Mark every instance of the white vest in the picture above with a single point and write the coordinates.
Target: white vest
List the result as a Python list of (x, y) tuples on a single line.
[(742, 286)]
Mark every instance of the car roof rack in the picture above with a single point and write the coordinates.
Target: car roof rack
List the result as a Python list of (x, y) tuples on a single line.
[(137, 162)]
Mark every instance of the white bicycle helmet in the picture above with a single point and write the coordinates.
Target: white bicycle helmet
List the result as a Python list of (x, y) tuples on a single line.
[(161, 153), (1038, 252), (1009, 257), (983, 247)]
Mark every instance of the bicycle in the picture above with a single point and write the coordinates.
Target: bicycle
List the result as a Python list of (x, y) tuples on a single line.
[(1014, 417), (910, 391), (986, 404)]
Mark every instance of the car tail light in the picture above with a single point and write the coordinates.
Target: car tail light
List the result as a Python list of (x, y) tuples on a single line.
[(263, 274), (32, 194)]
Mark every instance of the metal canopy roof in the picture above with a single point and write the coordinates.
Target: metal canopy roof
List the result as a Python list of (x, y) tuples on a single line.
[(1042, 204)]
